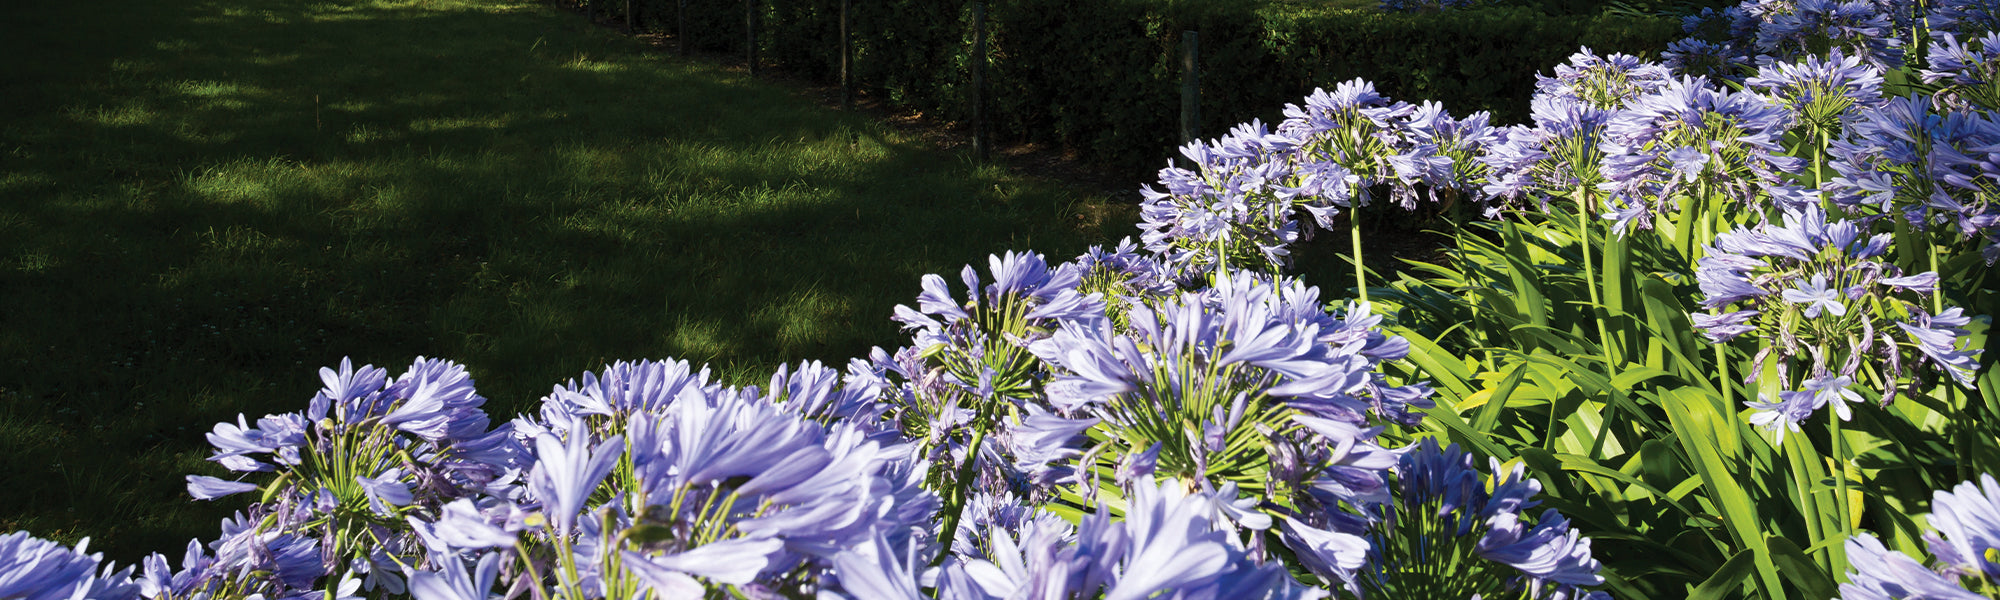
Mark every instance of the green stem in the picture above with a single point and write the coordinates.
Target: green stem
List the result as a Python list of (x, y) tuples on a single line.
[(1962, 425), (959, 487), (1728, 387), (1838, 552), (1354, 231), (1590, 281)]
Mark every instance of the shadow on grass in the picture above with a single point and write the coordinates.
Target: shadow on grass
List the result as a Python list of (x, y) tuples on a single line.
[(202, 203)]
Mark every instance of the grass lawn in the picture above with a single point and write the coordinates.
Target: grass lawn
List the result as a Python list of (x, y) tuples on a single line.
[(204, 201)]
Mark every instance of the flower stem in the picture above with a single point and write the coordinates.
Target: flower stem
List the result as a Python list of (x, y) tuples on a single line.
[(1843, 529), (1354, 231), (959, 491), (1590, 280)]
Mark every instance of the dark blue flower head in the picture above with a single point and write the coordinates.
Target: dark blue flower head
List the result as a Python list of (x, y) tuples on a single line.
[(1965, 17), (1446, 512), (1698, 57), (1969, 71), (1792, 28)]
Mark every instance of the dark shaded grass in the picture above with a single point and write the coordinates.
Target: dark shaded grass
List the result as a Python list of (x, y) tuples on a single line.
[(202, 202)]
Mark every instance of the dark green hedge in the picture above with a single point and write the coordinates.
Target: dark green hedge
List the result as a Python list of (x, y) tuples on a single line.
[(1103, 76)]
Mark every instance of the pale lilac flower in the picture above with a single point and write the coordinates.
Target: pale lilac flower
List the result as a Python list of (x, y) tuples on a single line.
[(453, 583), (203, 487), (1825, 92), (1816, 298), (566, 473), (36, 569)]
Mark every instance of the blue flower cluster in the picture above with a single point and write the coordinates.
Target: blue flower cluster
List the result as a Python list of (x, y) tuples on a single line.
[(1964, 537), (1822, 290), (1218, 441)]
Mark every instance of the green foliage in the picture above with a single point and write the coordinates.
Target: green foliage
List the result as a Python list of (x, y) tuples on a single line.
[(1643, 438), (1103, 77)]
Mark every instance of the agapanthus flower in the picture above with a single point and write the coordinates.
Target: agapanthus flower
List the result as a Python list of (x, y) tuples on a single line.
[(1344, 140), (1927, 168), (1452, 531), (1965, 17), (1818, 26), (366, 451), (988, 330), (1252, 351), (1965, 539), (1968, 72), (1604, 82), (1825, 295), (1440, 155), (1881, 574), (1821, 92), (1559, 155), (1170, 543), (1124, 276), (1704, 58), (1234, 207), (32, 568), (1967, 522), (623, 388), (696, 491), (1734, 135)]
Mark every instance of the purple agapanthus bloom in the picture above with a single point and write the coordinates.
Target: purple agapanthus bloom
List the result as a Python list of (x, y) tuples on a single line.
[(1816, 298), (1239, 356), (32, 568), (624, 388), (1822, 92), (1961, 64), (1965, 17), (748, 486), (1548, 552), (1234, 207), (1704, 58), (1170, 544), (1815, 26), (1967, 519), (1606, 82), (1444, 511), (567, 472), (454, 583), (1929, 167), (367, 449), (1825, 294), (1725, 327), (203, 487), (1965, 540), (1938, 338), (1881, 574), (1685, 132)]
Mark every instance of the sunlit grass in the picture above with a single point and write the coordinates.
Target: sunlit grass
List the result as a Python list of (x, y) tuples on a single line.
[(201, 203)]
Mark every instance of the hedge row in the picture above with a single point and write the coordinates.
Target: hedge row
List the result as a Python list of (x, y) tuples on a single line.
[(1103, 76)]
